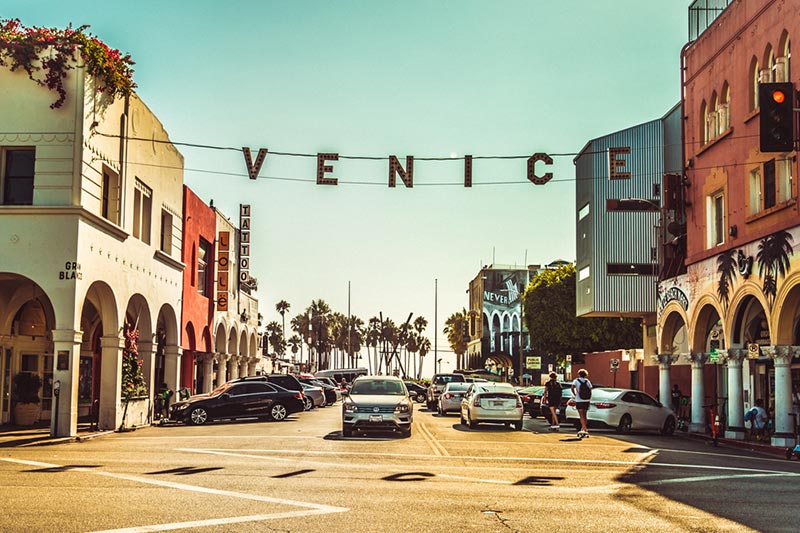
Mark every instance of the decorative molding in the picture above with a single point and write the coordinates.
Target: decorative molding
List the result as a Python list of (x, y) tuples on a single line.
[(37, 137), (666, 358), (781, 354), (169, 261), (733, 355), (697, 358)]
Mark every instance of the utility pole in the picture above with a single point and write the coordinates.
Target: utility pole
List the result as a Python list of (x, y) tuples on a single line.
[(435, 323)]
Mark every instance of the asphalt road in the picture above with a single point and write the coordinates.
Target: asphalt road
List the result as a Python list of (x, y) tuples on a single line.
[(301, 475)]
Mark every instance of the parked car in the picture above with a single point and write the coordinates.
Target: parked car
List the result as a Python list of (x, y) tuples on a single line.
[(328, 391), (314, 396), (451, 396), (492, 402), (625, 410), (532, 399), (377, 403), (336, 388), (416, 391), (238, 399), (437, 386)]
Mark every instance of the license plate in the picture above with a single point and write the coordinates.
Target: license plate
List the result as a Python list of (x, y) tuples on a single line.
[(498, 403), (376, 418), (537, 400)]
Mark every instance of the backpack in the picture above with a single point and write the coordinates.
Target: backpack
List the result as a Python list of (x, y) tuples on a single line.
[(584, 390), (553, 393)]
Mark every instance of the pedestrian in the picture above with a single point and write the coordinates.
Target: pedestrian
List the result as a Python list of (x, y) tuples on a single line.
[(343, 384), (166, 395), (552, 399), (676, 398), (582, 392), (758, 418)]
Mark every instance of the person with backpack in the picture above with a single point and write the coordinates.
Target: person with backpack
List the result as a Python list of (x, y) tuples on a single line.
[(552, 398), (582, 391)]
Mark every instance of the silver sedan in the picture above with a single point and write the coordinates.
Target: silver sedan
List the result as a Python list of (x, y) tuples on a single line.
[(450, 399)]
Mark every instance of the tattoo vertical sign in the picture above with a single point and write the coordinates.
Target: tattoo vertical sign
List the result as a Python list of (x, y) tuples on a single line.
[(223, 266), (244, 244)]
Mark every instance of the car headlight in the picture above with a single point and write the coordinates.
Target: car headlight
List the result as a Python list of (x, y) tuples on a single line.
[(350, 407), (183, 406), (402, 407)]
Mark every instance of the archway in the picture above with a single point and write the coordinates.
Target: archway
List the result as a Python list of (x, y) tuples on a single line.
[(102, 340)]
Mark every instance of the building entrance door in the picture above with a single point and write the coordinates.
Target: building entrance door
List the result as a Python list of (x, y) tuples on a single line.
[(5, 385)]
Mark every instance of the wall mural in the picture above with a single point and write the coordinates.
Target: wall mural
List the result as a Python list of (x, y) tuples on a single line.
[(773, 263)]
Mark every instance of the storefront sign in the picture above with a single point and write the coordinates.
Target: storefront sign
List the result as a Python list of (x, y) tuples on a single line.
[(223, 267), (673, 293), (72, 270), (534, 362), (244, 244)]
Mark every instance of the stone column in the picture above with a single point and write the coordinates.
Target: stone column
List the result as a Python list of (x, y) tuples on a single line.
[(222, 367), (242, 366), (172, 366), (251, 367), (110, 416), (665, 361), (733, 357), (698, 424), (784, 428), (234, 362), (66, 363), (208, 372)]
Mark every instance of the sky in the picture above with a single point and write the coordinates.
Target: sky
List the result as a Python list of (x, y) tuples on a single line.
[(378, 78)]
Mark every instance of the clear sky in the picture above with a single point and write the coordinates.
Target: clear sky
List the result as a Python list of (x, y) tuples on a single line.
[(380, 78)]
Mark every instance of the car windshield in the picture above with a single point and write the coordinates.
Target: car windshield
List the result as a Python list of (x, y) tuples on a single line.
[(447, 379), (494, 387), (456, 387), (378, 387), (536, 389)]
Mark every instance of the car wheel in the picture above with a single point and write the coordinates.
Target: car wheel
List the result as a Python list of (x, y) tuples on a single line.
[(625, 424), (198, 416), (463, 420), (518, 425), (439, 410), (669, 426), (470, 422), (308, 403), (347, 431), (277, 412), (429, 405), (324, 402), (420, 398)]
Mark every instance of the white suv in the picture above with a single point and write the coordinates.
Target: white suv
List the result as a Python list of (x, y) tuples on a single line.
[(377, 403)]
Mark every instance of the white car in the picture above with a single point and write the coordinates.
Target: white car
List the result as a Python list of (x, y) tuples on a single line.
[(624, 410), (492, 402)]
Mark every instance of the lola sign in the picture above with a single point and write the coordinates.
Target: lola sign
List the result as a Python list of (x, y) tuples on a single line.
[(396, 168)]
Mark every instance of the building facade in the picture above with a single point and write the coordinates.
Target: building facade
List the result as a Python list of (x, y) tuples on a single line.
[(90, 220), (738, 304)]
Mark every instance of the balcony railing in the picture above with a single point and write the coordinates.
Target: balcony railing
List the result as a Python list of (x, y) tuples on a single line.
[(702, 13)]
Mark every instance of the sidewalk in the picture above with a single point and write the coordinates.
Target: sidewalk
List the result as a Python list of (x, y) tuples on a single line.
[(737, 444), (39, 435)]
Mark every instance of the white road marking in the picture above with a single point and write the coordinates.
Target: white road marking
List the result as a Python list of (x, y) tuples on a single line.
[(254, 454), (310, 508), (708, 478)]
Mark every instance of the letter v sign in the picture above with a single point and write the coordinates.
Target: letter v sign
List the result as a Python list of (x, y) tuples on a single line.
[(252, 169)]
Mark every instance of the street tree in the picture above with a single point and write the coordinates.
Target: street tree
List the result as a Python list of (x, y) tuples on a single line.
[(549, 313)]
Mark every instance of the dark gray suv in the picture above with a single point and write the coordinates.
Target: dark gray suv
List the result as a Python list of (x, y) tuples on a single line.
[(438, 382)]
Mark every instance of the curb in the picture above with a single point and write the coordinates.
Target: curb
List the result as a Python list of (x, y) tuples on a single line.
[(740, 445)]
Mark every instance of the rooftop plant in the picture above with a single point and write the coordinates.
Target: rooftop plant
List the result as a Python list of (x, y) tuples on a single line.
[(47, 54)]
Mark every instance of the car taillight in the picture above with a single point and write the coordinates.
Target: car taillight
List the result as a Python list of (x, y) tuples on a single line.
[(604, 405), (519, 402), (525, 398), (477, 402), (448, 396), (299, 395), (571, 402)]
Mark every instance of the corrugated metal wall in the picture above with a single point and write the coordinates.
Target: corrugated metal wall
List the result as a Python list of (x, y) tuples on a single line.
[(622, 236)]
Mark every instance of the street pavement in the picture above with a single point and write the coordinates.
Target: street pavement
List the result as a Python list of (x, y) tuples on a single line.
[(302, 475)]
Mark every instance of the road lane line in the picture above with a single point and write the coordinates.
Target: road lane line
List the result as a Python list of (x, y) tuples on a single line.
[(499, 459), (437, 447), (708, 478)]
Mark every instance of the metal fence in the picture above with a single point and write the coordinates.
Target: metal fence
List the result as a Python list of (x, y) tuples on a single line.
[(702, 13)]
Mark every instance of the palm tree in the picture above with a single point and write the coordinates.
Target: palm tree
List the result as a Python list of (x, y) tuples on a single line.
[(455, 327), (319, 312), (412, 346), (275, 337), (773, 261), (424, 346), (726, 267), (282, 307), (300, 325), (294, 342), (373, 339)]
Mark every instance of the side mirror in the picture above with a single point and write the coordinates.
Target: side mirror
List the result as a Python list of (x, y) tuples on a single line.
[(225, 397)]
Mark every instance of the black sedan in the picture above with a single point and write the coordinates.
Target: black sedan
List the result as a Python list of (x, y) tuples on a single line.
[(239, 400), (416, 391)]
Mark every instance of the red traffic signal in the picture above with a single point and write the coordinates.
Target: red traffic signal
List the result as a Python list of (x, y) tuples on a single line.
[(776, 103)]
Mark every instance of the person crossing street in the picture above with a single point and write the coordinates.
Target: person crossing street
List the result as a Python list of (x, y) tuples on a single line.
[(582, 391), (552, 398)]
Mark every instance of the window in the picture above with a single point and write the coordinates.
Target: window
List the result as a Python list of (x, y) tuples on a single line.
[(203, 256), (18, 170), (583, 273), (754, 76), (110, 195), (166, 232), (630, 269), (632, 204), (583, 212), (142, 211), (723, 111), (770, 185), (711, 118), (704, 123), (716, 219)]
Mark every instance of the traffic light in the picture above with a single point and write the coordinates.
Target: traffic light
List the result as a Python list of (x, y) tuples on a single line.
[(776, 101)]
